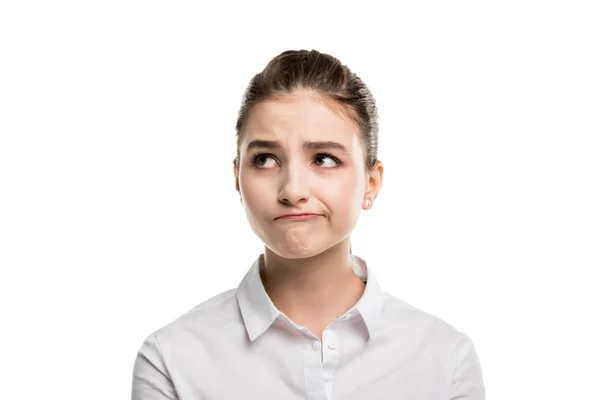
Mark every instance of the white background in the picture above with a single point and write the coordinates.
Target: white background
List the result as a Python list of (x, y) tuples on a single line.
[(118, 210)]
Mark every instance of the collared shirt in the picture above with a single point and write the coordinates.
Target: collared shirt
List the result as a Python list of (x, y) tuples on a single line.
[(238, 345)]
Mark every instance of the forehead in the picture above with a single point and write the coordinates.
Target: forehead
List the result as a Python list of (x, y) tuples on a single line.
[(301, 115)]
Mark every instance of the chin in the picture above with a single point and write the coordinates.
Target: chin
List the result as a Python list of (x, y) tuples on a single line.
[(294, 251)]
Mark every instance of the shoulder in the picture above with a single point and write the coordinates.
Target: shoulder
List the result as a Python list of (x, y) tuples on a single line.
[(406, 319), (425, 336), (215, 314)]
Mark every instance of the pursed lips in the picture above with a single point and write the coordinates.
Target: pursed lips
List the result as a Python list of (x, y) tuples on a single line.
[(299, 217)]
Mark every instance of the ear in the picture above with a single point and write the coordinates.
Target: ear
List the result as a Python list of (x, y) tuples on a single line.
[(235, 174), (374, 181)]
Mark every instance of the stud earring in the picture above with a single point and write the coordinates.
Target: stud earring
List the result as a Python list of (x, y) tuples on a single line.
[(368, 203)]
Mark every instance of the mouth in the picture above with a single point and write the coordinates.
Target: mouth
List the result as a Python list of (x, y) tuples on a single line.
[(299, 217)]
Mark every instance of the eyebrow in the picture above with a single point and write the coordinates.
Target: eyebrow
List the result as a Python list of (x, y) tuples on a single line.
[(268, 144)]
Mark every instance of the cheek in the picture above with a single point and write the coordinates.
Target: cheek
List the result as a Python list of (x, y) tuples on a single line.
[(344, 194), (254, 191)]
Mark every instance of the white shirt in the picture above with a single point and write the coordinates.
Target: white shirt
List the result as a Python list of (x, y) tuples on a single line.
[(238, 345)]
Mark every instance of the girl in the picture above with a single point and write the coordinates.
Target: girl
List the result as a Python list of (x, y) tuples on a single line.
[(308, 320)]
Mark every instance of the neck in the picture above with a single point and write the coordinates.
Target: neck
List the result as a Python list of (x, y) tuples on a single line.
[(317, 288)]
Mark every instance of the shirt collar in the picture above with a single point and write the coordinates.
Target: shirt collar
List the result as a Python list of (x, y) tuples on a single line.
[(259, 312)]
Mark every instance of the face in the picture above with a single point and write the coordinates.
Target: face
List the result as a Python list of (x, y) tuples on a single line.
[(299, 156)]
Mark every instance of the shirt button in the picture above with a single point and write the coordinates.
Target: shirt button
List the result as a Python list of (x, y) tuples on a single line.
[(332, 346), (315, 345)]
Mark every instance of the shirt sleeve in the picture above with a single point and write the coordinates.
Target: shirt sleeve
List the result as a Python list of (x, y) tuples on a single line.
[(467, 383), (151, 380)]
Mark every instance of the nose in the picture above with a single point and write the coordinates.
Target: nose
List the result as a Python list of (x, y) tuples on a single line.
[(295, 186)]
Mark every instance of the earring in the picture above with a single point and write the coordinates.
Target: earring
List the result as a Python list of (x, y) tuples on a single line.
[(368, 203)]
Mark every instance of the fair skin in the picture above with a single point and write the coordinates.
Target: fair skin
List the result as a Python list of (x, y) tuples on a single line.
[(308, 274)]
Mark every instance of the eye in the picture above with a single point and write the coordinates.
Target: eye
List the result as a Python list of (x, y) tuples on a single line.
[(260, 160), (256, 160), (325, 156)]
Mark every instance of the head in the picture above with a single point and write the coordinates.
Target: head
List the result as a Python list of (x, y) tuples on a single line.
[(307, 137)]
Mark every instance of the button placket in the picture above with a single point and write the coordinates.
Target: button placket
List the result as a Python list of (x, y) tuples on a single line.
[(331, 340), (331, 344)]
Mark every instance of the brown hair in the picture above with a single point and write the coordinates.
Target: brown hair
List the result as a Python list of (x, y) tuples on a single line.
[(328, 78)]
